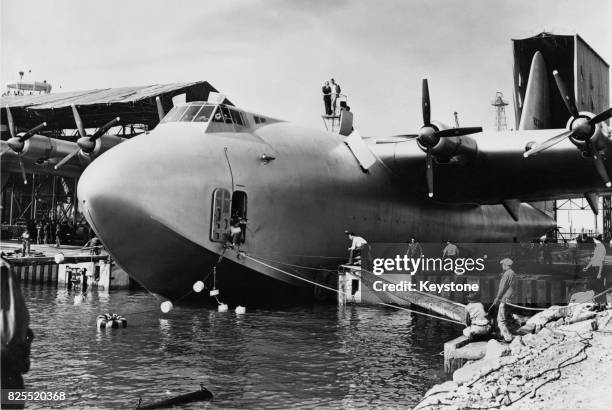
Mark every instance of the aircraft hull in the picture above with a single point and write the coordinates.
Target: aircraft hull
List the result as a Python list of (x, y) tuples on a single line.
[(150, 201)]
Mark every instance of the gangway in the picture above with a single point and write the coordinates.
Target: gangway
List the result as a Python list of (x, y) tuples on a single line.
[(333, 121)]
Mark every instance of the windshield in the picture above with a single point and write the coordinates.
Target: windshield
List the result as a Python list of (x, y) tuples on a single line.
[(192, 112)]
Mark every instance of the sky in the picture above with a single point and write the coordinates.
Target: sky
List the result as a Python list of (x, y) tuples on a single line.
[(272, 56)]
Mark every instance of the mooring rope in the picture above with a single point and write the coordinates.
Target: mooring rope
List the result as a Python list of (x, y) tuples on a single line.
[(559, 307), (341, 292)]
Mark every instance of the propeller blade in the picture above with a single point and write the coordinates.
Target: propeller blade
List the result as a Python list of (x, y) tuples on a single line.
[(425, 103), (429, 173), (77, 120), (548, 143), (23, 173), (395, 139), (567, 99), (11, 124), (601, 169), (100, 131), (457, 132), (160, 108), (602, 116), (28, 134), (66, 159)]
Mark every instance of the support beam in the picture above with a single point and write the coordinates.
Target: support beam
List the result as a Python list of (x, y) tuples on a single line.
[(593, 201), (512, 207)]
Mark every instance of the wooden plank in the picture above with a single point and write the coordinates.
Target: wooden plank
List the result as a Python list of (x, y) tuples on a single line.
[(54, 269), (528, 292), (38, 274), (542, 295)]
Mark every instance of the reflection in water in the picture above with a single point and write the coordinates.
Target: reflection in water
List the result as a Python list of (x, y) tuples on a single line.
[(325, 356)]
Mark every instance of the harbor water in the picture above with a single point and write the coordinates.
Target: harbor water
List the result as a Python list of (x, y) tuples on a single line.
[(273, 357)]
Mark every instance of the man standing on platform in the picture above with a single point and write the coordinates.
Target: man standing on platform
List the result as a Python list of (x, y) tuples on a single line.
[(335, 93), (504, 296), (357, 243), (594, 270)]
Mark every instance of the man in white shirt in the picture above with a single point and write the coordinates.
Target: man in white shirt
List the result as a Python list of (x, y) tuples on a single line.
[(594, 270), (335, 93), (450, 250), (357, 242)]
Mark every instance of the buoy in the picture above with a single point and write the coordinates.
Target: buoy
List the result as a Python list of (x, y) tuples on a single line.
[(198, 286), (166, 306), (108, 321), (59, 258), (240, 310), (222, 307)]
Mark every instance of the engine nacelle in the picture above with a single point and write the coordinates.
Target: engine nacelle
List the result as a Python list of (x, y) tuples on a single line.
[(449, 149), (597, 136)]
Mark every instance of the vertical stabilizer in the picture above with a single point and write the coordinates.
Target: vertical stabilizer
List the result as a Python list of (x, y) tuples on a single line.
[(536, 108)]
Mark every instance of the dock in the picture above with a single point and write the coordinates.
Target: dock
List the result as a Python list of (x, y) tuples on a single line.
[(41, 267)]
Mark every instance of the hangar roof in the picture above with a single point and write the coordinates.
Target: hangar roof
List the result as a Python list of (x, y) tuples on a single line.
[(134, 105)]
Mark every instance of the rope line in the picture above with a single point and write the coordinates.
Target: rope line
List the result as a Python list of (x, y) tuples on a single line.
[(344, 293), (560, 307)]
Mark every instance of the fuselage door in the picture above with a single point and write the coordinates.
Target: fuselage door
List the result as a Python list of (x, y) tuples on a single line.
[(221, 214)]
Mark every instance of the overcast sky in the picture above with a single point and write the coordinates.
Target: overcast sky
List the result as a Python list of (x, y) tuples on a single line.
[(272, 56)]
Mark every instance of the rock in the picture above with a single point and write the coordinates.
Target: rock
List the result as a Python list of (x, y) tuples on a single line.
[(486, 394), (495, 350), (530, 340), (506, 401), (446, 386), (474, 370), (462, 391), (517, 345)]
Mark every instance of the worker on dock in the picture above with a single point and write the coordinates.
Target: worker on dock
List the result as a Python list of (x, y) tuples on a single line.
[(357, 244), (450, 251), (594, 270), (504, 296), (415, 250), (16, 335), (58, 230), (25, 242), (475, 317)]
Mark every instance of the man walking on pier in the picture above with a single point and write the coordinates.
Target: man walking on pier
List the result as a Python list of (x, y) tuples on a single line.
[(504, 296)]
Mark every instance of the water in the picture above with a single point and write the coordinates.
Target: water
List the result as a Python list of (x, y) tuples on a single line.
[(307, 356)]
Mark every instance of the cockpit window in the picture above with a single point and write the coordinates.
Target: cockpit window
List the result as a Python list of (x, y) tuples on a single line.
[(204, 114), (191, 111), (236, 117), (222, 115), (174, 113)]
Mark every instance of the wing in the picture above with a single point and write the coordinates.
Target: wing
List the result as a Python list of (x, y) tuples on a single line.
[(490, 168)]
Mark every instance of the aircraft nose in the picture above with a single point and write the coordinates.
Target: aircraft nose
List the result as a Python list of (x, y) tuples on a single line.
[(144, 200)]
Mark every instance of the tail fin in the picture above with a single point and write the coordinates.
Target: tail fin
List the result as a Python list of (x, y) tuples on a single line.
[(536, 109)]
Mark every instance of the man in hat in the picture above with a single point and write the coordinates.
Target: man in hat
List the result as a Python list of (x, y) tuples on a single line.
[(475, 317), (357, 243), (504, 296)]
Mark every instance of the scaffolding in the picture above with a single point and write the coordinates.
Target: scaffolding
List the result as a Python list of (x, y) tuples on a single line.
[(332, 121), (500, 111)]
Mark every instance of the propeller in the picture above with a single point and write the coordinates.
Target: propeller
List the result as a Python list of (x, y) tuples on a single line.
[(582, 128), (17, 141), (86, 143), (160, 108), (429, 135)]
